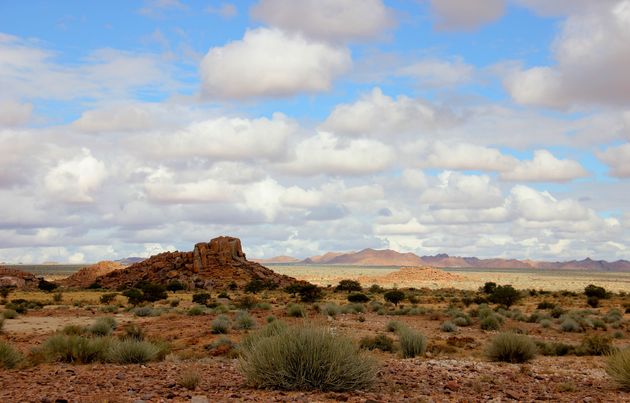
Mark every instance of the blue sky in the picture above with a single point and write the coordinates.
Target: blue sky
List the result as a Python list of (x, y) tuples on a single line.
[(498, 128)]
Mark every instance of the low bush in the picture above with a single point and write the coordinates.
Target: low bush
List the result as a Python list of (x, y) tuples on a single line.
[(189, 379), (331, 309), (244, 320), (412, 343), (595, 345), (221, 325), (394, 296), (618, 368), (595, 291), (546, 305), (145, 311), (9, 314), (73, 330), (57, 297), (511, 347), (196, 310), (570, 325), (310, 293), (358, 297), (265, 306), (449, 327), (554, 349), (175, 286), (131, 351), (353, 308), (296, 311), (246, 302), (103, 326), (132, 332), (394, 326), (592, 301), (376, 289), (505, 295), (491, 322), (75, 349), (348, 285), (174, 303), (9, 356), (201, 298), (379, 342), (546, 323), (307, 358), (223, 347)]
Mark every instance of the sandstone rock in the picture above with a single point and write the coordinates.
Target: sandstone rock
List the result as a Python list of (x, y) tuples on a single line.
[(88, 275), (211, 265), (17, 278)]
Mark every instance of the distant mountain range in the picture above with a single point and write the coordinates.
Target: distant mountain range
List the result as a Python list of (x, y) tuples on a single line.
[(388, 257)]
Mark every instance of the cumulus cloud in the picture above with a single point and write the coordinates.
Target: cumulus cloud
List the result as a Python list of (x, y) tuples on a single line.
[(533, 205), (544, 167), (618, 160), (436, 73), (222, 138), (456, 15), (590, 43), (324, 153), (327, 19), (376, 114), (114, 119), (75, 179), (455, 190), (271, 63), (14, 113), (462, 156)]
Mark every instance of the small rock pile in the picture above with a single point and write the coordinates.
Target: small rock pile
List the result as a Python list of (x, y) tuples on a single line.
[(88, 275), (211, 265)]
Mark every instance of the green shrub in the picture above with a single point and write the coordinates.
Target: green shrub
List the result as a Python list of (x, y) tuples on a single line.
[(201, 298), (175, 286), (189, 379), (511, 347), (132, 332), (505, 295), (358, 297), (306, 358), (545, 323), (546, 305), (394, 296), (491, 322), (196, 310), (489, 287), (174, 303), (246, 302), (310, 293), (75, 349), (353, 308), (394, 325), (134, 296), (57, 297), (244, 320), (9, 356), (570, 325), (265, 306), (595, 345), (595, 291), (554, 349), (273, 328), (412, 343), (592, 301), (449, 327), (348, 285), (379, 342), (296, 311), (618, 368), (108, 298), (9, 314), (221, 325), (145, 311), (103, 326), (152, 292), (462, 321), (331, 309), (76, 330), (131, 351), (376, 289)]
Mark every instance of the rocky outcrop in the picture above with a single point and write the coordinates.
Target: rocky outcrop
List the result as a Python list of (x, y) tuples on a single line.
[(211, 265), (88, 275), (17, 279)]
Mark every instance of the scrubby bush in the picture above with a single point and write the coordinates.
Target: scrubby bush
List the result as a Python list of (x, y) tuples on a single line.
[(358, 297), (618, 368), (595, 291), (108, 298), (57, 297), (394, 325), (488, 287), (257, 285), (103, 326), (196, 310), (595, 345), (175, 286), (546, 305), (76, 330), (132, 332), (412, 343), (265, 306), (244, 320), (379, 342), (201, 298), (296, 311), (145, 311), (570, 325), (554, 349), (9, 314), (353, 308), (246, 302), (46, 285), (221, 325), (5, 291), (491, 322), (75, 349), (174, 303), (449, 327), (462, 321), (545, 323), (505, 295), (189, 379), (376, 289), (9, 356), (151, 292), (511, 347), (310, 293), (593, 302), (306, 358), (132, 352), (134, 296), (394, 296), (348, 285), (331, 309)]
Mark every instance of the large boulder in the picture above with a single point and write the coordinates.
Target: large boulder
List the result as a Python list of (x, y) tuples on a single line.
[(211, 265), (88, 275), (18, 279)]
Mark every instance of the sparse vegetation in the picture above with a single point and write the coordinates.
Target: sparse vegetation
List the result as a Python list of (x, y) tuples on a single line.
[(9, 356), (618, 368), (412, 343), (379, 342), (221, 325), (511, 347), (189, 379), (394, 296)]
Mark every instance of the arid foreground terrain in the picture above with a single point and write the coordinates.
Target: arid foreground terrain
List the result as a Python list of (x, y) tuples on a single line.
[(494, 344)]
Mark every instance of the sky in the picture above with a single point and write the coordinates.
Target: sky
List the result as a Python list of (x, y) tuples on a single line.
[(493, 128)]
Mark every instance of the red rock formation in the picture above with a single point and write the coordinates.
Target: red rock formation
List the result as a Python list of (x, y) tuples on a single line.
[(18, 279), (88, 275), (212, 265)]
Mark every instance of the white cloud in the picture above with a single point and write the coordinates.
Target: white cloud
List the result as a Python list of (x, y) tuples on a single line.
[(119, 118), (456, 15), (431, 73), (455, 190), (533, 205), (327, 19), (223, 138), (545, 168), (225, 10), (410, 227), (618, 159), (13, 113), (462, 156), (590, 43), (324, 153), (74, 180), (271, 63), (163, 186), (377, 114)]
